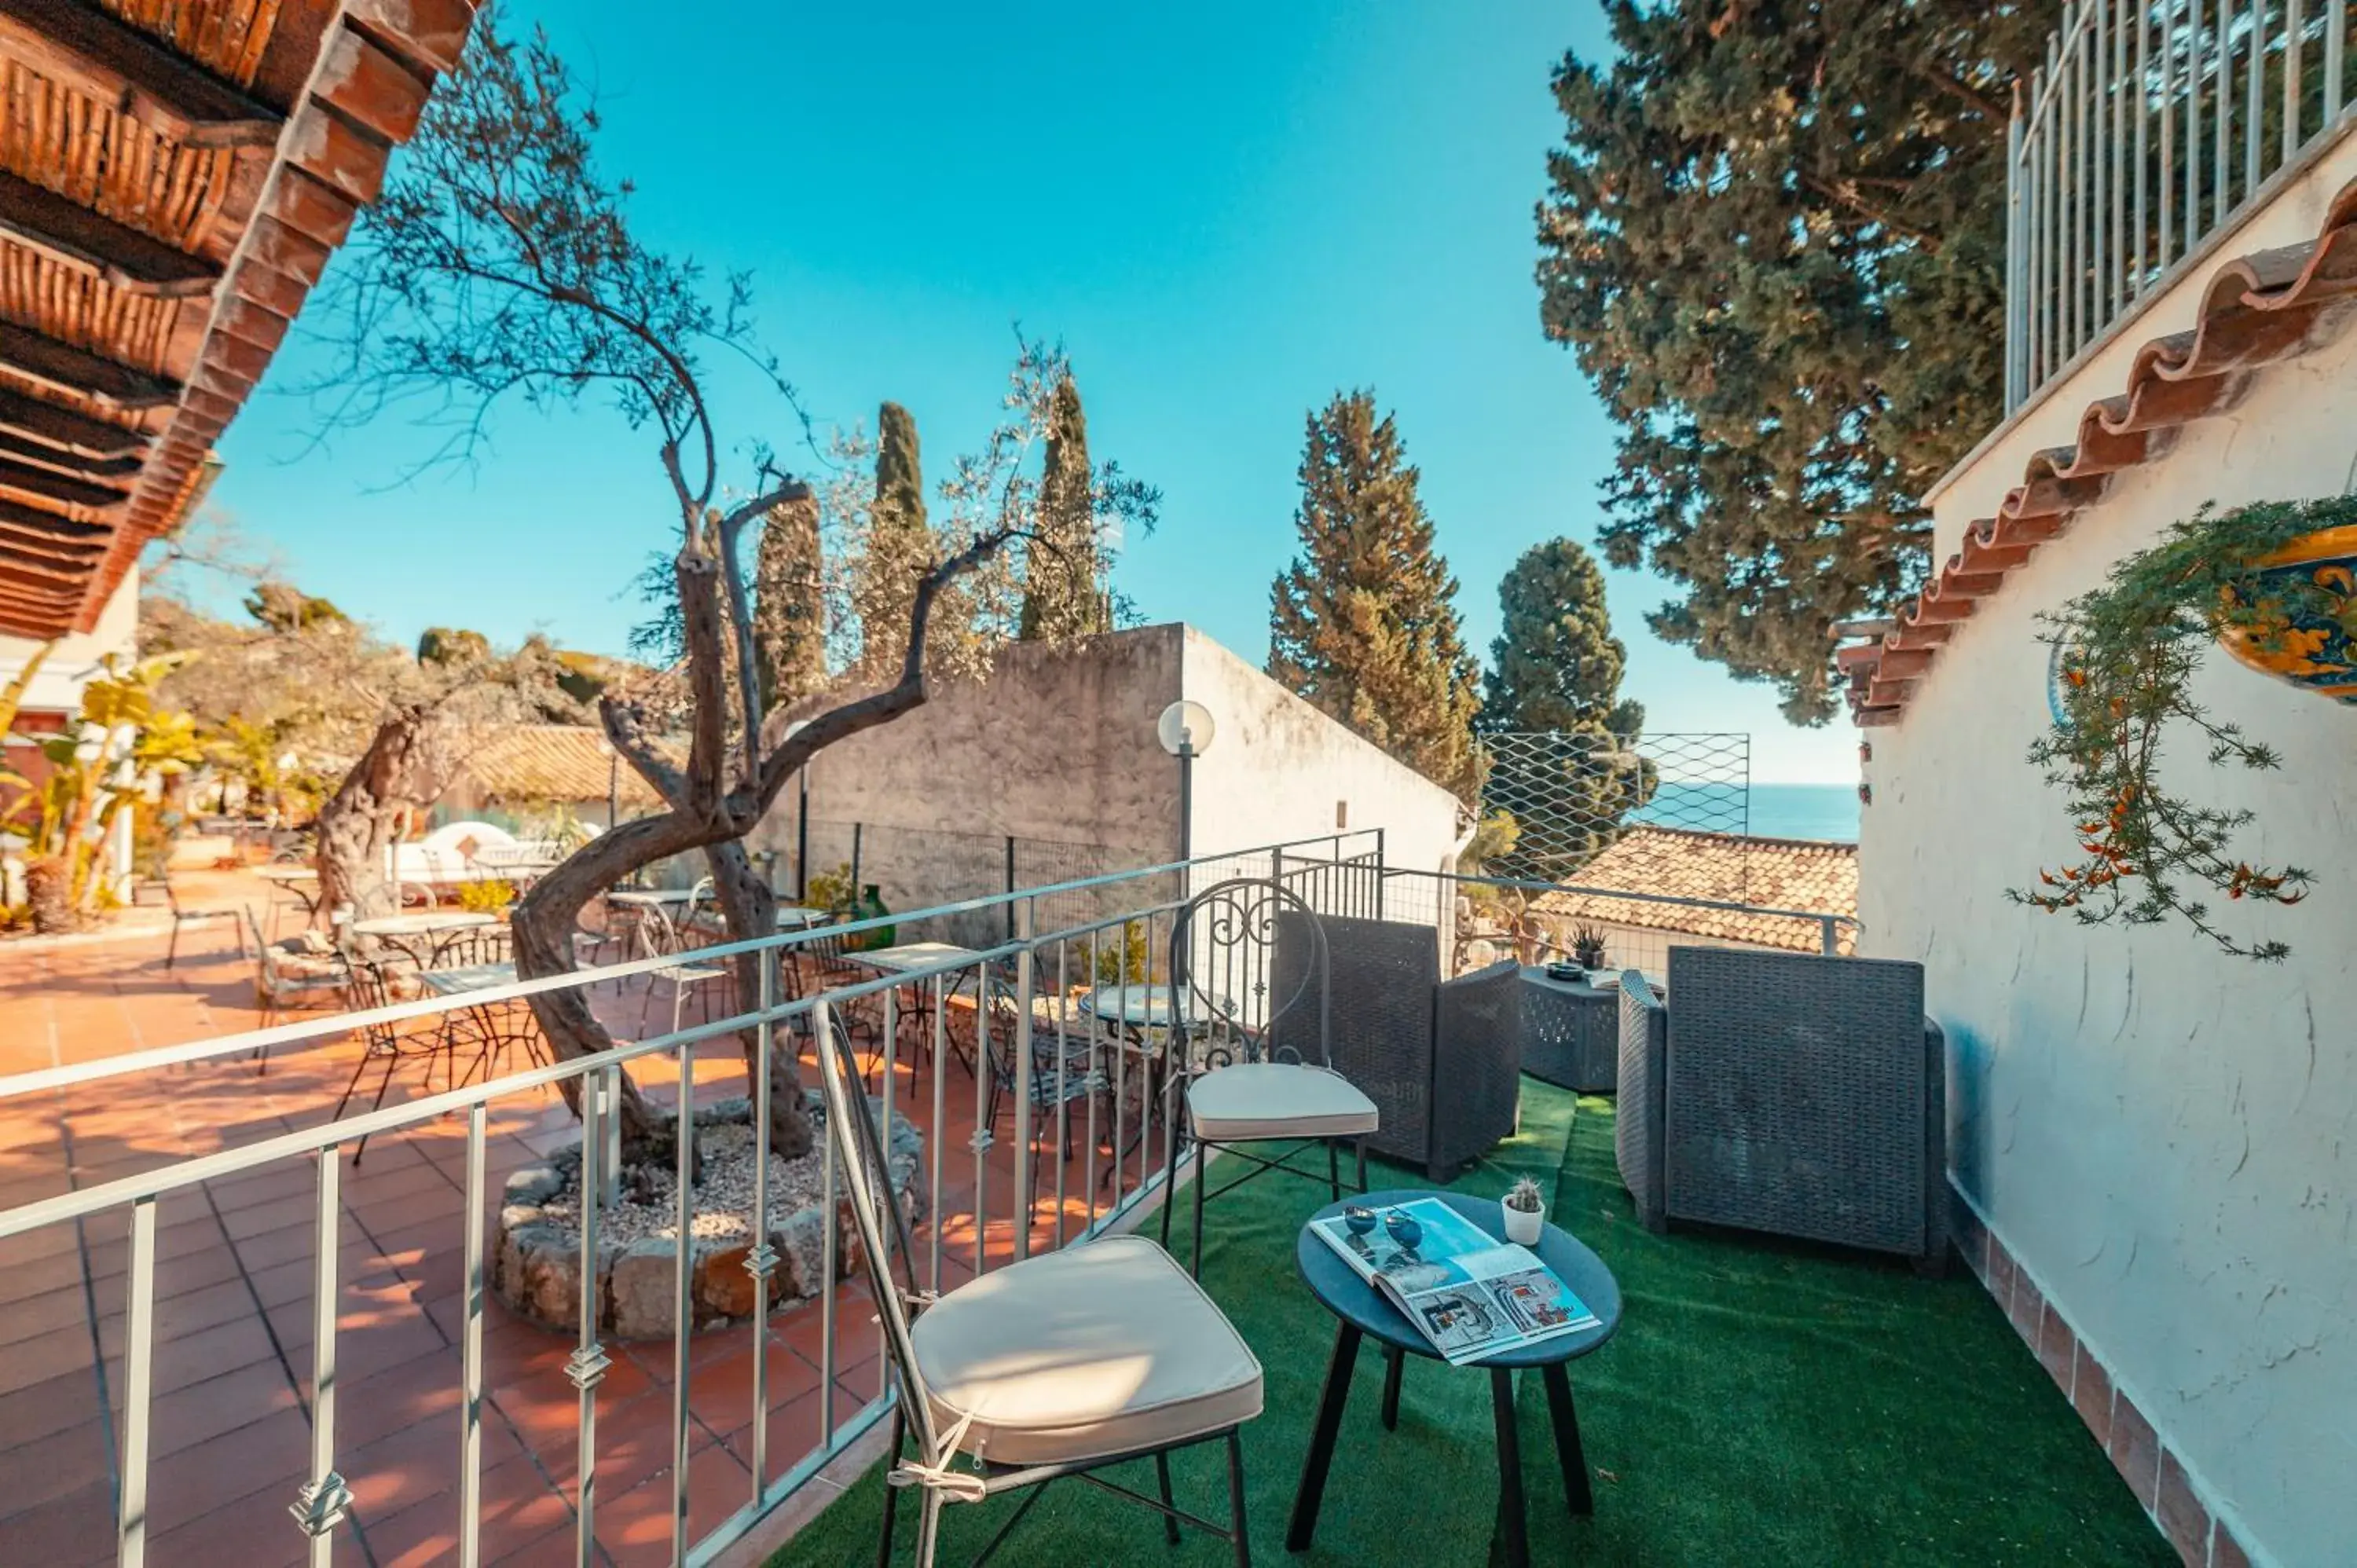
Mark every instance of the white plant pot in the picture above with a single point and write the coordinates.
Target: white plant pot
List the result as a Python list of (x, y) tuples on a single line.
[(1523, 1225)]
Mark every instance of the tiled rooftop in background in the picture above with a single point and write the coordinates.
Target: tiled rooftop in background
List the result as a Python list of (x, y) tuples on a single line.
[(1775, 874)]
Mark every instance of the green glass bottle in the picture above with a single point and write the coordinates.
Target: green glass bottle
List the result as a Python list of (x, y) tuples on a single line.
[(870, 907)]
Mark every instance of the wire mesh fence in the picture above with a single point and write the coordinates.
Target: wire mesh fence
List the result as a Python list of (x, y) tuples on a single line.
[(1557, 798)]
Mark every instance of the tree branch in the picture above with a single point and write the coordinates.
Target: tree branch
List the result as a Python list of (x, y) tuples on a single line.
[(1844, 193), (700, 619), (741, 612), (866, 713), (625, 729)]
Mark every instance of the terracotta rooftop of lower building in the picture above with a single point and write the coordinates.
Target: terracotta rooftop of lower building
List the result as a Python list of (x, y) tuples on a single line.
[(555, 763), (2258, 310), (1812, 875)]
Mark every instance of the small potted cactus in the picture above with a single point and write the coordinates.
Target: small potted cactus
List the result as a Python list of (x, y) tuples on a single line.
[(1588, 947), (1525, 1213)]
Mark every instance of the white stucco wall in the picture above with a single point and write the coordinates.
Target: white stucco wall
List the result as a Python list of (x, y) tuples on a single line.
[(2165, 1136), (1279, 770), (57, 685)]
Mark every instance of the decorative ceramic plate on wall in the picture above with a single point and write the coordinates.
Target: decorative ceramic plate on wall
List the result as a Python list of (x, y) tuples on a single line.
[(2313, 647)]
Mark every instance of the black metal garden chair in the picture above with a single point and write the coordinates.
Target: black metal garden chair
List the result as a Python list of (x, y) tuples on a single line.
[(1253, 1040)]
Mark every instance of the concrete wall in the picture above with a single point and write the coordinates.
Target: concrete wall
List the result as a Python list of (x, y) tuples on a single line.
[(2163, 1136), (1279, 770), (1058, 746)]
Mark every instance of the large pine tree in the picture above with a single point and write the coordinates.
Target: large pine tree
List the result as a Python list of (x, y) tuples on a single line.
[(1775, 240), (1362, 623), (1561, 761), (1060, 595)]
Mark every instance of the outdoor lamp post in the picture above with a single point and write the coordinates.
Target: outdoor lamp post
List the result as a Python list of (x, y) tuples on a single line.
[(1184, 730), (801, 821)]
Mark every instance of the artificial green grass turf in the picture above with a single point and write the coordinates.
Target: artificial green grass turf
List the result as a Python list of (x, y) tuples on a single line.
[(1762, 1404)]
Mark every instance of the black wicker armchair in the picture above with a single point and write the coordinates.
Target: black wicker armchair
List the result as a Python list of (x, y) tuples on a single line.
[(1786, 1094)]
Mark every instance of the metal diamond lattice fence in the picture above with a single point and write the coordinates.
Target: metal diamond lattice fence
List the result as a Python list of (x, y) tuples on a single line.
[(1565, 795)]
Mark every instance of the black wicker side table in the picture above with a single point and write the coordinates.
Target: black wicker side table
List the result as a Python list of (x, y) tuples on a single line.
[(1571, 1031), (1362, 1312)]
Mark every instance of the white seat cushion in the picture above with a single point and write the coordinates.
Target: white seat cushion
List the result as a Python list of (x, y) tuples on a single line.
[(1276, 1100), (1092, 1351)]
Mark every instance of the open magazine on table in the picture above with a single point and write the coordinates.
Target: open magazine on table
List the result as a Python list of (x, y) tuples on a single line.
[(1472, 1295)]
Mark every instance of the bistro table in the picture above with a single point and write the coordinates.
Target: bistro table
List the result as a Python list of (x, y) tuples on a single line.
[(801, 918), (907, 956), (1362, 1311), (302, 882), (495, 1021), (1137, 1014), (432, 931)]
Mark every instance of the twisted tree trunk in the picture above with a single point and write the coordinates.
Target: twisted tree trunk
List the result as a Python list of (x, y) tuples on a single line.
[(703, 812), (362, 820)]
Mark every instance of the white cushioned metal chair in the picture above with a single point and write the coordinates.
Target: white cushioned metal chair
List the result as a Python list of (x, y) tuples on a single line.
[(1059, 1365), (1251, 1049)]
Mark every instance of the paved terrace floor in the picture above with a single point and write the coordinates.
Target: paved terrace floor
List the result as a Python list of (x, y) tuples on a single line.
[(233, 1326)]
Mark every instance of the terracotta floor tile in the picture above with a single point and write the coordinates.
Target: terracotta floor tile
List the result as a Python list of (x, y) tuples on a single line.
[(278, 1215), (194, 1358), (44, 1356), (252, 1532), (23, 1281), (720, 1392), (48, 1241), (269, 1185), (795, 1430), (204, 1411), (75, 1530), (60, 1309), (636, 1528), (269, 1457), (28, 1415), (419, 1461), (36, 1473)]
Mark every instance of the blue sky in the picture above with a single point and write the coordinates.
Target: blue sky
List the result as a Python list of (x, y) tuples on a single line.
[(1226, 212)]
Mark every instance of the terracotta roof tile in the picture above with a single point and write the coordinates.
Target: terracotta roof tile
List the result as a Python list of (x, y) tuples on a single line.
[(1810, 875), (2257, 310), (554, 762)]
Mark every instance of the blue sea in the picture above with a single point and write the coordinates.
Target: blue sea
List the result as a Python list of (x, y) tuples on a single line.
[(1763, 811)]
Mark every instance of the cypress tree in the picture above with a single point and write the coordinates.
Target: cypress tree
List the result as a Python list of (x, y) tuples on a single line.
[(1556, 669), (899, 547), (1362, 623), (1060, 581), (790, 605), (1556, 664)]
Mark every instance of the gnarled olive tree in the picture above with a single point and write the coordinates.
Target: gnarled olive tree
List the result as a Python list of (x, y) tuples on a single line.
[(499, 263)]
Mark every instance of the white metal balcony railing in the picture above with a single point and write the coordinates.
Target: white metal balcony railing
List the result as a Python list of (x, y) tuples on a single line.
[(2151, 127), (1342, 875)]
